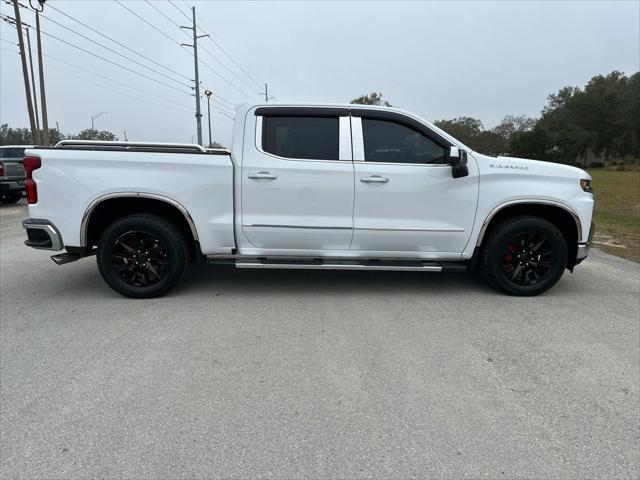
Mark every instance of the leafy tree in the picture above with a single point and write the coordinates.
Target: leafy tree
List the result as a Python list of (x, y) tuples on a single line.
[(374, 98), (471, 132), (465, 129), (91, 134), (533, 143), (512, 124), (602, 118), (22, 136)]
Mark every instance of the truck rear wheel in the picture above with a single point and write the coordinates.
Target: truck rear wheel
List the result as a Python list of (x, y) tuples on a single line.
[(142, 256), (524, 256)]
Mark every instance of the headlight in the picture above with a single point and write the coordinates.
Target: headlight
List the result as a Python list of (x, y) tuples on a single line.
[(586, 185)]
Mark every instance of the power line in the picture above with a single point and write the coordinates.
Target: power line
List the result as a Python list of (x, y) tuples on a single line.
[(206, 51), (174, 41), (10, 20), (114, 51), (227, 81), (164, 99), (147, 22), (107, 88), (225, 67), (118, 43), (228, 55), (180, 110), (164, 15), (201, 47)]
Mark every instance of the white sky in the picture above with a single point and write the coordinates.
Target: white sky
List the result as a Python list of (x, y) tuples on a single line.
[(437, 59)]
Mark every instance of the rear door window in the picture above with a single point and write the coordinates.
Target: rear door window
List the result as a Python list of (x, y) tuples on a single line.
[(315, 138)]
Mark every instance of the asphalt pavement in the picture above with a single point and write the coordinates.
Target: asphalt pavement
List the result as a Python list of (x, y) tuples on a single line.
[(247, 374)]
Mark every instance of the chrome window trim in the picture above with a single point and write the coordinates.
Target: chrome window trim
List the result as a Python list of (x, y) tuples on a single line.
[(84, 225), (485, 224), (258, 145)]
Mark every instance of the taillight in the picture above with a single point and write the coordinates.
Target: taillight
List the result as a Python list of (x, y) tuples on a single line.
[(1, 170), (30, 164)]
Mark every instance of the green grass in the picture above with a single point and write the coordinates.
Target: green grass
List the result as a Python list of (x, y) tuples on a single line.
[(617, 212)]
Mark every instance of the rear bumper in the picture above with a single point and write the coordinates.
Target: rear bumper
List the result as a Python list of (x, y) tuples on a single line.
[(584, 247), (11, 186), (42, 234)]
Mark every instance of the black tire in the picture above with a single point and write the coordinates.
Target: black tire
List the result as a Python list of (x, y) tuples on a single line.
[(524, 256), (130, 271), (10, 197)]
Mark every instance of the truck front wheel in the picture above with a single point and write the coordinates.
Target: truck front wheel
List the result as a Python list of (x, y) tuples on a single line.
[(524, 255), (142, 256)]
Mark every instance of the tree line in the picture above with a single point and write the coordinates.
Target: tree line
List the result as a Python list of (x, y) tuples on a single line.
[(602, 118), (22, 136)]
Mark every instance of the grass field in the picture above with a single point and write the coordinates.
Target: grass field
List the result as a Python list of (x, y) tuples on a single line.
[(617, 212)]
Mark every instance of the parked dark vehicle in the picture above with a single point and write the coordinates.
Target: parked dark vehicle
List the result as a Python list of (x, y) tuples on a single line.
[(11, 172)]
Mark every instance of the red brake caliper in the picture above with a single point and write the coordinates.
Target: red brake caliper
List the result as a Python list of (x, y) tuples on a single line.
[(510, 248)]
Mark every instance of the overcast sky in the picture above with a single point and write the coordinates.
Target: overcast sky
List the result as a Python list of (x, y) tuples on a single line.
[(436, 59)]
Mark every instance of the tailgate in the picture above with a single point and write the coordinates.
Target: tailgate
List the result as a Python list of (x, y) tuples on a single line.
[(13, 168)]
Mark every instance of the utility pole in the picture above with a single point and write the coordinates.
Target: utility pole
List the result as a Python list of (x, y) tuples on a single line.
[(266, 93), (197, 80), (208, 93), (25, 74), (43, 97), (33, 87)]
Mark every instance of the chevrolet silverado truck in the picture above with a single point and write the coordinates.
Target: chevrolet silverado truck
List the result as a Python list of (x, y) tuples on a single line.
[(11, 173), (344, 187)]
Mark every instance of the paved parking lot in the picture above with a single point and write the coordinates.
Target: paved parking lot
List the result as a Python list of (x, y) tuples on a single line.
[(315, 374)]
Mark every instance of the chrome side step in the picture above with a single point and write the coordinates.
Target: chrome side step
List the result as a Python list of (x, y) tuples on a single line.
[(339, 266)]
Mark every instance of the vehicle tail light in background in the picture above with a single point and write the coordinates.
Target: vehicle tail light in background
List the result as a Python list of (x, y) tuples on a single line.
[(1, 170), (30, 164)]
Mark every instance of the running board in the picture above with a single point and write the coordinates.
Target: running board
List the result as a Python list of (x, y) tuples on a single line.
[(338, 266), (409, 267)]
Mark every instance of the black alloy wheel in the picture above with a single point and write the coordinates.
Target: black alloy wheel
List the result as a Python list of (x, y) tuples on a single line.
[(142, 256), (524, 255), (139, 259), (528, 258)]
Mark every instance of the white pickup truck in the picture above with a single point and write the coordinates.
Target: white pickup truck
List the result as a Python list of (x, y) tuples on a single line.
[(314, 187)]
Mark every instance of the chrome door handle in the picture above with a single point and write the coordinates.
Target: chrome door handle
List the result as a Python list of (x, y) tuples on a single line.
[(263, 176), (374, 179)]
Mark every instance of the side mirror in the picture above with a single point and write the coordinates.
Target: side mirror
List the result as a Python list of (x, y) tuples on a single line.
[(458, 160)]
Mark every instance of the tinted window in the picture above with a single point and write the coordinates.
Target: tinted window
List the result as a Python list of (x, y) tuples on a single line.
[(391, 142), (301, 137), (15, 153)]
